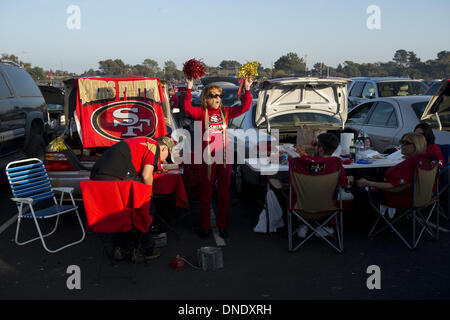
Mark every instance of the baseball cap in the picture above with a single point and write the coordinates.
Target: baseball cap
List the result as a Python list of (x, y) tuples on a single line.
[(167, 141)]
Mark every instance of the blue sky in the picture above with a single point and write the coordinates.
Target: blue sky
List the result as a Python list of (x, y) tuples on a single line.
[(244, 30)]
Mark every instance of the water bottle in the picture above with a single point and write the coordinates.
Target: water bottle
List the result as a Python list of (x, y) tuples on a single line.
[(359, 145), (367, 142), (360, 140)]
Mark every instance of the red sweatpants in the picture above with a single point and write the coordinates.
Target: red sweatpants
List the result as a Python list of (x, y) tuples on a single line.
[(223, 174)]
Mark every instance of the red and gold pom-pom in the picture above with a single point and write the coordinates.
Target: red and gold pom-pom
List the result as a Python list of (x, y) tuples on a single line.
[(194, 69)]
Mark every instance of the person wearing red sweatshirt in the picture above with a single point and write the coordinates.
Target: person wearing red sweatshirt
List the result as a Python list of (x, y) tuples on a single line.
[(215, 117)]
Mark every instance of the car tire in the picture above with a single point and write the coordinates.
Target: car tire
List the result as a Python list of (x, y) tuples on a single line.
[(36, 147)]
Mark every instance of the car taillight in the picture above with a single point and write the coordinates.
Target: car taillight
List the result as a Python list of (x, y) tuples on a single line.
[(56, 161)]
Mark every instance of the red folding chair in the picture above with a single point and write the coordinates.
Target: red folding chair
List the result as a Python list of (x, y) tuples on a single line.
[(423, 196), (313, 190)]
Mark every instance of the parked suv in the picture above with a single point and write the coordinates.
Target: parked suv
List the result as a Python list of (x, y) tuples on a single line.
[(363, 89), (23, 115)]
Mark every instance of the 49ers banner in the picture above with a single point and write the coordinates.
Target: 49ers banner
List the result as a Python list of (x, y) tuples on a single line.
[(112, 109)]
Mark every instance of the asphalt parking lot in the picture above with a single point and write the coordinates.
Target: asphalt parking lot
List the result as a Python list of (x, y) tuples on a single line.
[(257, 266)]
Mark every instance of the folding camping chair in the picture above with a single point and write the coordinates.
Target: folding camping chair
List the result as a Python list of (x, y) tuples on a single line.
[(313, 189), (424, 195), (33, 193), (444, 182)]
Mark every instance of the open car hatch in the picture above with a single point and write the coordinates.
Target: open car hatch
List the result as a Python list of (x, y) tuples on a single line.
[(302, 95), (439, 106)]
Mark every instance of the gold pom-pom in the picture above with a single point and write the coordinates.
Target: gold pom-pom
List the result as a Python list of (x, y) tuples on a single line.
[(250, 69)]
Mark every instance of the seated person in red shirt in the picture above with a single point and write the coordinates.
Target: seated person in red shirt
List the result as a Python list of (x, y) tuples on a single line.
[(425, 129), (324, 147), (401, 175), (133, 159)]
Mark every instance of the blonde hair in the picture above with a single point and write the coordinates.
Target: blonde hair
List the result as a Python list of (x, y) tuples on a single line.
[(419, 141)]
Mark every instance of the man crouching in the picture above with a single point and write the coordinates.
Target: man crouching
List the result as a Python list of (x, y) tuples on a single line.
[(133, 159)]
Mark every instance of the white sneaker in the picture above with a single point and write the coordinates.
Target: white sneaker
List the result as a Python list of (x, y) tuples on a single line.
[(325, 232), (301, 232)]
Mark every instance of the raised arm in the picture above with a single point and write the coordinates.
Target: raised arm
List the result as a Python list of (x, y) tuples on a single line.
[(246, 101), (191, 111)]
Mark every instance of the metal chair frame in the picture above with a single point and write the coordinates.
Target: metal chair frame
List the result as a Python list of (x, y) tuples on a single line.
[(30, 185), (444, 174), (416, 216), (442, 188)]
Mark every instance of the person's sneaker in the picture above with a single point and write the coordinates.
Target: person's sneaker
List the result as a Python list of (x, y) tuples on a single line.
[(119, 254), (325, 232), (302, 230), (204, 233)]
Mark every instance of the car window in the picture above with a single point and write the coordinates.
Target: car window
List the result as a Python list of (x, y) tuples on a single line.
[(431, 91), (358, 116), (230, 96), (369, 90), (236, 123), (382, 114), (392, 121), (419, 108), (401, 88), (23, 83), (357, 89), (5, 92)]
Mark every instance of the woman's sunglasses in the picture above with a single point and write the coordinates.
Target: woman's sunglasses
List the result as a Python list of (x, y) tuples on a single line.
[(405, 143), (212, 96)]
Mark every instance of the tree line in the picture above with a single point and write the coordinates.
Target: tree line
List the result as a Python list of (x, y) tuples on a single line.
[(403, 64)]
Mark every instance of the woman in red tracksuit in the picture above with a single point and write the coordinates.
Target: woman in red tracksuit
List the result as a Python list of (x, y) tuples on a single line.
[(214, 119)]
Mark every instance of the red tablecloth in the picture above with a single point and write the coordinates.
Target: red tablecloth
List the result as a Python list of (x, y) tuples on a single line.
[(116, 206), (166, 183)]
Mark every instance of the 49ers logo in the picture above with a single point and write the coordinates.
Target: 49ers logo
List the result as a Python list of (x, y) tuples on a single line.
[(126, 119), (215, 118)]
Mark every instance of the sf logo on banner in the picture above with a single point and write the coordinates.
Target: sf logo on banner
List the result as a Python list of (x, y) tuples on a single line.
[(127, 119)]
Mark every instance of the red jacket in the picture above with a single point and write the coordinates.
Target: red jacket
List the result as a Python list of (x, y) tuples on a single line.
[(435, 150), (215, 118)]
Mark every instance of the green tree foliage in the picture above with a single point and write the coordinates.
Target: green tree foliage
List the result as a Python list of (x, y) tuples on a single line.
[(403, 64), (114, 67), (230, 67), (290, 63), (152, 64), (351, 69)]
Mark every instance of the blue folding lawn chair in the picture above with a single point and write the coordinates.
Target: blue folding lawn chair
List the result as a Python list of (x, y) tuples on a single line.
[(35, 199)]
